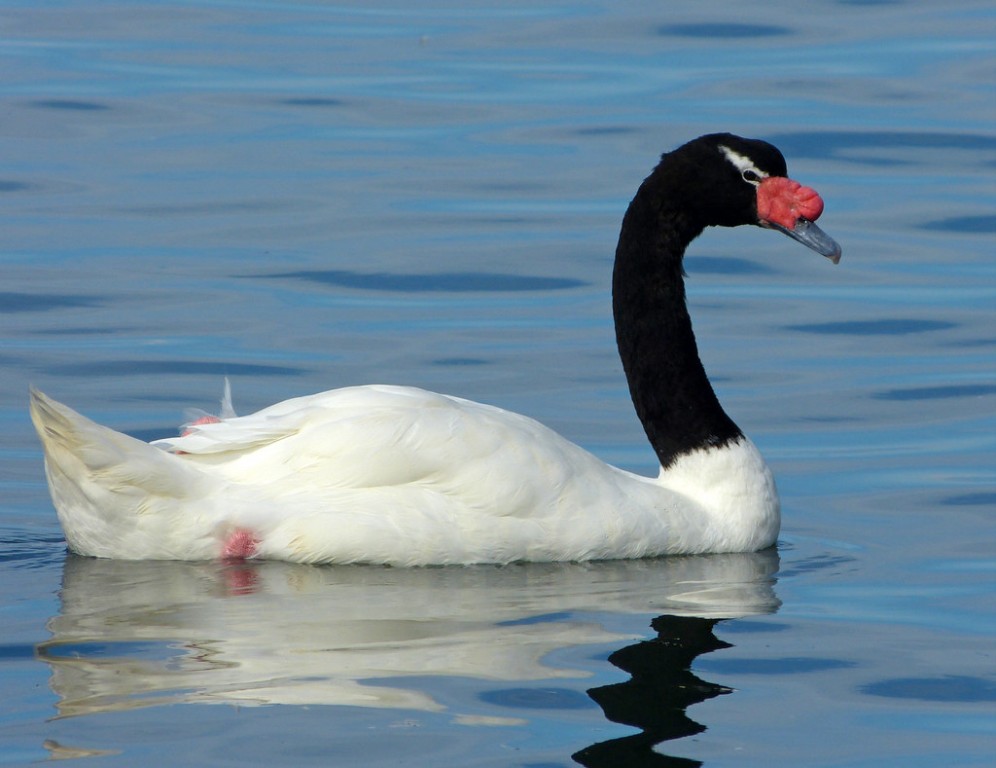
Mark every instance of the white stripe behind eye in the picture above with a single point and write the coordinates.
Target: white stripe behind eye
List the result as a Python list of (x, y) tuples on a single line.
[(741, 162)]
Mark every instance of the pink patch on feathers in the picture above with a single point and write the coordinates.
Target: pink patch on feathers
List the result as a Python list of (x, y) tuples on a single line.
[(201, 420), (240, 545), (783, 201)]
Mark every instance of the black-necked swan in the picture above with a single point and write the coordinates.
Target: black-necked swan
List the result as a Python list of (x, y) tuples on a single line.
[(397, 475)]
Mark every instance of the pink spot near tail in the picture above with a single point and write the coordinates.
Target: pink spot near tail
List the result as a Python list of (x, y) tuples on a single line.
[(201, 420), (240, 545)]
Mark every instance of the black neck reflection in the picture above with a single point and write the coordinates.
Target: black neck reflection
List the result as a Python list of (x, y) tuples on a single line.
[(654, 700)]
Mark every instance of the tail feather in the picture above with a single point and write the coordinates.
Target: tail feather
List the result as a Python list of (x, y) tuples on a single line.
[(116, 496)]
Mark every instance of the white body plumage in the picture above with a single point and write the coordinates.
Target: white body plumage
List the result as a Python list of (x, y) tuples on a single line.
[(395, 475)]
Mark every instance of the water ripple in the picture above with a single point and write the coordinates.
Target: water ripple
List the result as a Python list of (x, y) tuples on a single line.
[(896, 326), (152, 367), (954, 688), (937, 393), (723, 30), (445, 282), (11, 302)]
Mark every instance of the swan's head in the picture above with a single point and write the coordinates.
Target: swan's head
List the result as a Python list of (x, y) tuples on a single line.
[(749, 184)]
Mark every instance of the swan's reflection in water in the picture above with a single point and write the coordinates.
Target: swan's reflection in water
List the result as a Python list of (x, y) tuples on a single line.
[(143, 634), (656, 697)]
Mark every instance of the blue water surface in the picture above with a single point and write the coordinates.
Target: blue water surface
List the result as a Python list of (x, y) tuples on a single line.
[(310, 195)]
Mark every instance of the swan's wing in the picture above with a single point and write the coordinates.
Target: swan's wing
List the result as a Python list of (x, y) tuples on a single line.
[(377, 436)]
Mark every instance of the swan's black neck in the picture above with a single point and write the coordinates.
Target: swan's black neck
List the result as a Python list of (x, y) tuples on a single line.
[(669, 386)]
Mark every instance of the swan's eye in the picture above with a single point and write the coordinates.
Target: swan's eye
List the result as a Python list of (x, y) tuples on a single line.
[(748, 171), (751, 176)]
